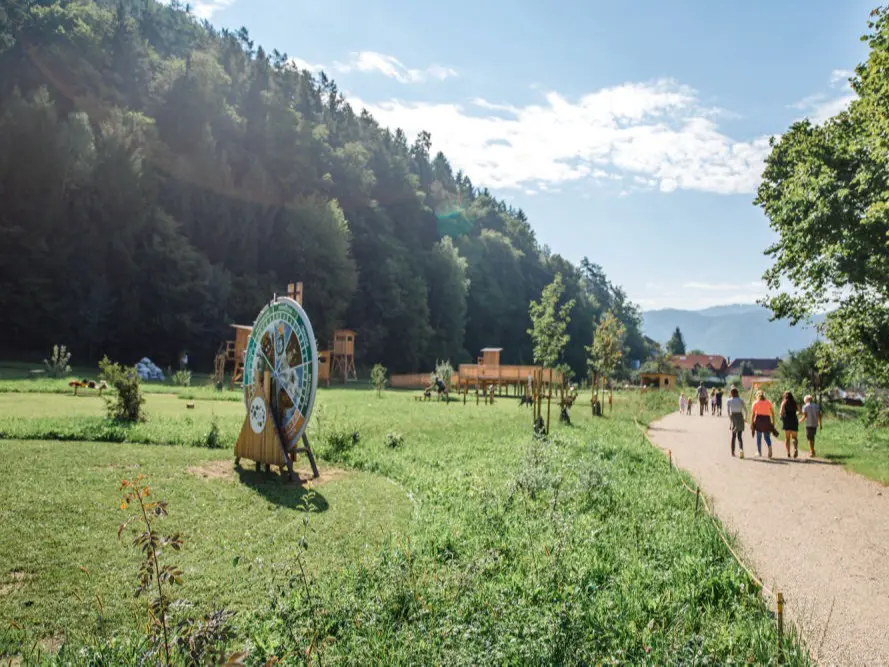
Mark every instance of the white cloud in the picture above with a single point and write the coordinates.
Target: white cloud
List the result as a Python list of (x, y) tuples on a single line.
[(668, 185), (821, 106), (829, 108), (659, 131), (724, 287), (305, 64), (697, 295), (204, 9), (389, 66), (840, 76)]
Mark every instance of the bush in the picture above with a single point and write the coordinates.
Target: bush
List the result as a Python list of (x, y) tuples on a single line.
[(126, 403), (57, 364), (394, 440), (443, 370), (212, 440), (378, 377), (339, 442), (875, 411), (182, 378)]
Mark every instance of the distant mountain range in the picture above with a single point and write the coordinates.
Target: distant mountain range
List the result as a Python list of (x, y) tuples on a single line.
[(741, 330)]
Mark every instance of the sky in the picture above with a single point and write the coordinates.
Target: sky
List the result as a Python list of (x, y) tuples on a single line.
[(632, 133)]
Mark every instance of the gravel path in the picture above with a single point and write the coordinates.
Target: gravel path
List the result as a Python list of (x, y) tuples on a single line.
[(808, 528)]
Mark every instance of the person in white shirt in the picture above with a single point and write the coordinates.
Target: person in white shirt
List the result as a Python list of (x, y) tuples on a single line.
[(812, 412), (683, 403), (737, 413)]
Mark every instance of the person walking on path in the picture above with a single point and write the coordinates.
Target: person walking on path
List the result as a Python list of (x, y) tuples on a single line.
[(737, 414), (713, 402), (790, 422), (719, 401), (702, 398), (812, 413), (762, 422), (683, 403)]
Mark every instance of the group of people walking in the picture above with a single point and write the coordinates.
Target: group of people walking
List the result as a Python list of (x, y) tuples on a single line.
[(761, 418)]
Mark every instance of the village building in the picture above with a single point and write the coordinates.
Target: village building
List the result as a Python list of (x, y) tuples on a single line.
[(714, 364)]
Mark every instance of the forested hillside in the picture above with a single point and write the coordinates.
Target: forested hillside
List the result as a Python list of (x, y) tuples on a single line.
[(160, 179)]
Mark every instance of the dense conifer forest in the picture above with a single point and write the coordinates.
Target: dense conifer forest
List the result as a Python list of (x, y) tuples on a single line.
[(161, 178)]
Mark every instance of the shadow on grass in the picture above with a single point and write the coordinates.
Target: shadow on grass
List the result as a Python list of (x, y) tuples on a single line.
[(277, 489), (833, 458)]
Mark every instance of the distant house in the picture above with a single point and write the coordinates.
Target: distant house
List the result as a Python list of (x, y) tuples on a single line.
[(715, 363), (751, 381), (766, 367)]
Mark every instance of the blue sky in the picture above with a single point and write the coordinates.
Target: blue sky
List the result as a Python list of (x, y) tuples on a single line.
[(630, 132)]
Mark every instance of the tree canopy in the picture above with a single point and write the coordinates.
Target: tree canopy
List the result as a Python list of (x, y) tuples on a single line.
[(825, 190), (607, 349), (676, 344), (161, 179), (549, 321)]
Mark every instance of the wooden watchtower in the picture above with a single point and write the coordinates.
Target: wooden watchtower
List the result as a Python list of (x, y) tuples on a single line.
[(343, 357)]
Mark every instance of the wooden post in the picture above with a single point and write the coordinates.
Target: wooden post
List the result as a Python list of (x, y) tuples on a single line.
[(295, 292), (549, 396), (697, 500), (780, 598)]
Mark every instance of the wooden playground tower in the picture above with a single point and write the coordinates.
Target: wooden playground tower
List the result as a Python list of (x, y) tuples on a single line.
[(339, 358), (342, 358)]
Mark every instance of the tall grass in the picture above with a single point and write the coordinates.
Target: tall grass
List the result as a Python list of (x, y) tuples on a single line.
[(578, 548)]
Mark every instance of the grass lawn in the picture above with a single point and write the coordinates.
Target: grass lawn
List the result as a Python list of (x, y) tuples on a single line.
[(848, 440), (463, 541)]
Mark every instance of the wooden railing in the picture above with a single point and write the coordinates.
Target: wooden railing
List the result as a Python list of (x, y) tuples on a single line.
[(473, 373)]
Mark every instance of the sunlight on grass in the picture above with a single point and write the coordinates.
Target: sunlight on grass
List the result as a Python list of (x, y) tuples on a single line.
[(451, 536)]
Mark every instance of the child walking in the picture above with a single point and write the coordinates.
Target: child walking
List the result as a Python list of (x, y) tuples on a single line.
[(683, 403)]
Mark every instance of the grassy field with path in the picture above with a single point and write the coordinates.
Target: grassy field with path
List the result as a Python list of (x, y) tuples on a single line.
[(446, 534)]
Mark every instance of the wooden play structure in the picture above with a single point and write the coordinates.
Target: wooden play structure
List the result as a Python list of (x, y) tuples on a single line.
[(657, 380), (489, 377), (343, 358), (280, 379), (340, 357), (231, 353)]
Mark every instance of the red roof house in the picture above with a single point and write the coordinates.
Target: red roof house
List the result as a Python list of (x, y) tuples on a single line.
[(716, 363)]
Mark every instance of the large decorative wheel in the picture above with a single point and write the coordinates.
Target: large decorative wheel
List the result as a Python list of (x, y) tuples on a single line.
[(283, 343)]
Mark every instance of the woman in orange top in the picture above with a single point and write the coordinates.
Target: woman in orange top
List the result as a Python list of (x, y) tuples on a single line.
[(762, 422)]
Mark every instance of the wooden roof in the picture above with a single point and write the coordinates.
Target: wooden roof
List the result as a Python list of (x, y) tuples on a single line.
[(691, 361)]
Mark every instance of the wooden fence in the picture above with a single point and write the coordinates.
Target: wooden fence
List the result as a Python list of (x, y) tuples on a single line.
[(471, 374)]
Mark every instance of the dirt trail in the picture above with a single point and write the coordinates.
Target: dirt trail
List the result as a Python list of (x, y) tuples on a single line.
[(811, 530)]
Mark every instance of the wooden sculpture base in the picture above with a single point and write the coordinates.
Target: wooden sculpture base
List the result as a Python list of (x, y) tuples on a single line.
[(260, 440)]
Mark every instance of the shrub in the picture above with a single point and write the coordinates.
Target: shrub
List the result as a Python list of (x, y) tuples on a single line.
[(212, 439), (443, 370), (394, 440), (182, 378), (875, 411), (57, 364), (127, 401), (339, 442), (378, 377)]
